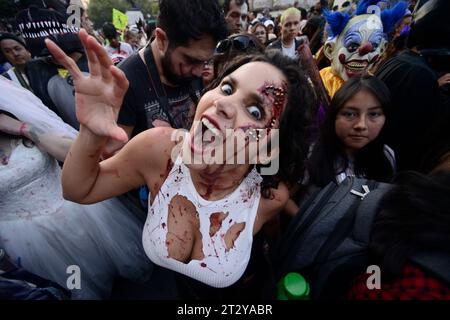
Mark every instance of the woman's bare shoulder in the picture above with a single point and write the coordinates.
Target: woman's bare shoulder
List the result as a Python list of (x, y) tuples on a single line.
[(152, 145), (155, 149)]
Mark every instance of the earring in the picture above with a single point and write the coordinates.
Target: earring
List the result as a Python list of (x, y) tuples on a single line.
[(272, 123)]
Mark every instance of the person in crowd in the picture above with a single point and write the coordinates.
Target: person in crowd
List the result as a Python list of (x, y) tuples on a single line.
[(49, 81), (290, 28), (409, 241), (351, 139), (252, 17), (14, 49), (356, 43), (266, 15), (412, 78), (402, 26), (208, 72), (411, 232), (226, 52), (44, 233), (133, 38), (315, 10), (270, 27), (313, 30), (88, 25), (202, 217), (235, 45), (116, 49), (303, 18), (260, 31), (396, 41), (236, 15), (164, 78)]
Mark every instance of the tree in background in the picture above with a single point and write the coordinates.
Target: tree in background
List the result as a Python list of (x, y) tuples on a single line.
[(100, 11)]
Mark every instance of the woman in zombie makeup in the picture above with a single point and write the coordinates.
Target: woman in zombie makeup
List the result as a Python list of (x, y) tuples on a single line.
[(210, 191)]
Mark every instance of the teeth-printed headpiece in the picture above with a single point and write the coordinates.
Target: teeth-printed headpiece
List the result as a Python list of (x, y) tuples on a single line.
[(36, 24)]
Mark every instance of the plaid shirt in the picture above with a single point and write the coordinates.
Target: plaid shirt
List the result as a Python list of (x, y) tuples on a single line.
[(413, 284)]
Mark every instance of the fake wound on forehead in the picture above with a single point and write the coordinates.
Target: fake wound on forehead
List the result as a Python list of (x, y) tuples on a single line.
[(277, 94)]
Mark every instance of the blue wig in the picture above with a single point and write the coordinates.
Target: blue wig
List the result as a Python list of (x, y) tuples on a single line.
[(391, 16), (363, 5), (336, 21)]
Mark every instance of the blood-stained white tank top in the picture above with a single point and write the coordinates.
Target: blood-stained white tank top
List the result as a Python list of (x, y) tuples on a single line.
[(224, 257)]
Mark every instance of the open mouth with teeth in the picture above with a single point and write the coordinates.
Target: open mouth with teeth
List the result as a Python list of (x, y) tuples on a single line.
[(355, 67), (206, 135)]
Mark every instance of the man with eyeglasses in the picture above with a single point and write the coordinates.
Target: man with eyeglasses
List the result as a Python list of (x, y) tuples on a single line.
[(236, 15), (165, 76)]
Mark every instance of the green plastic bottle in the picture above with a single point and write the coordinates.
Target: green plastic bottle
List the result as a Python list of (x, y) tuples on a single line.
[(293, 287)]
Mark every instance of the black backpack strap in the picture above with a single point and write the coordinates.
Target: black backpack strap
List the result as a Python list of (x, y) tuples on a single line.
[(156, 83), (343, 228), (196, 86), (286, 245)]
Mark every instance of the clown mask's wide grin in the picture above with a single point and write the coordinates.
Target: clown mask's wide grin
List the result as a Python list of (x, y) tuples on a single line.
[(355, 67)]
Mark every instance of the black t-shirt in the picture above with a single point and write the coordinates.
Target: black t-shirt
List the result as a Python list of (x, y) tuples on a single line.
[(416, 107), (141, 108)]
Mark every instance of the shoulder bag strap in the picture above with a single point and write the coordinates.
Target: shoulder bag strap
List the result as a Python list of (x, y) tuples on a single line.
[(156, 83)]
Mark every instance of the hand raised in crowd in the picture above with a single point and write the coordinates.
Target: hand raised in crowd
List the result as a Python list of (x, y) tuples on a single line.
[(99, 95)]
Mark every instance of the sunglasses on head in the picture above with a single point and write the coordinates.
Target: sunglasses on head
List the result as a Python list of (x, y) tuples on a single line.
[(239, 43)]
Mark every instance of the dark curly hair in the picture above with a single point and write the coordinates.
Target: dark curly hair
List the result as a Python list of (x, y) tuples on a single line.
[(295, 122), (109, 31)]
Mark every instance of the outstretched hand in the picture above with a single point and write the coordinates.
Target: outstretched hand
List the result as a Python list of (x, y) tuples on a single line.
[(99, 95)]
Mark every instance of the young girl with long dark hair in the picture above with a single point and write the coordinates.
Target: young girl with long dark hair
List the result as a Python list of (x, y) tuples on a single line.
[(351, 138)]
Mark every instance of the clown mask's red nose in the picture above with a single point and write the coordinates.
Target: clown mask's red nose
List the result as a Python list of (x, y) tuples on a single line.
[(365, 48)]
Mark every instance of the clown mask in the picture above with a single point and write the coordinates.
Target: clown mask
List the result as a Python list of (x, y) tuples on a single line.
[(357, 47)]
